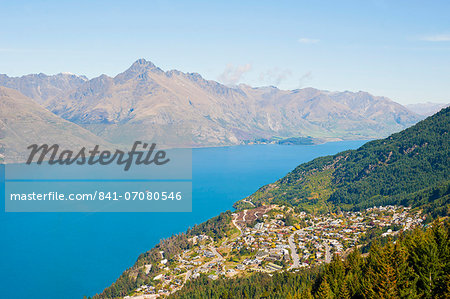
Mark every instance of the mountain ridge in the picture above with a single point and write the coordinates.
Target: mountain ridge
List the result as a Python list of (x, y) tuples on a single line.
[(184, 109), (24, 122)]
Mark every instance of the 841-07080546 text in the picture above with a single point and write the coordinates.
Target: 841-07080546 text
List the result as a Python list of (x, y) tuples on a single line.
[(100, 195)]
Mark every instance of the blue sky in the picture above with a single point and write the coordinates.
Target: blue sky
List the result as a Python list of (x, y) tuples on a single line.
[(399, 49)]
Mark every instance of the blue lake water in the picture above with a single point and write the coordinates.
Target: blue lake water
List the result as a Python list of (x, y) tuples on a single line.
[(69, 255)]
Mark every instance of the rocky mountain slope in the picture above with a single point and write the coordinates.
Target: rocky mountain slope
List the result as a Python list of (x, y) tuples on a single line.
[(24, 122), (184, 109), (41, 87)]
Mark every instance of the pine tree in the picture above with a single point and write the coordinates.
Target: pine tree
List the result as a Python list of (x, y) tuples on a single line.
[(306, 294), (380, 277), (344, 292), (440, 236), (424, 257), (335, 273), (388, 283), (354, 265), (406, 282), (324, 291)]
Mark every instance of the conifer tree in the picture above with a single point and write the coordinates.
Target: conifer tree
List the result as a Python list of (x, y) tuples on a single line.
[(344, 292), (306, 294), (424, 258), (406, 282), (324, 291)]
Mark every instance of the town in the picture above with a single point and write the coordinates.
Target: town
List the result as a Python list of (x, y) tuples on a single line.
[(276, 238)]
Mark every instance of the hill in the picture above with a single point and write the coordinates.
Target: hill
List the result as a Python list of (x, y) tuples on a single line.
[(409, 168), (23, 122), (257, 250), (184, 109)]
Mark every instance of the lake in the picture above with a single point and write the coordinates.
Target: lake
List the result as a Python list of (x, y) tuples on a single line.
[(69, 255)]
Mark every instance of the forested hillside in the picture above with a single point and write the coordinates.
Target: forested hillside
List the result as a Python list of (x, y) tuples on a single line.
[(409, 168)]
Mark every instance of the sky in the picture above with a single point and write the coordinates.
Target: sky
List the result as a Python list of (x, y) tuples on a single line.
[(398, 49)]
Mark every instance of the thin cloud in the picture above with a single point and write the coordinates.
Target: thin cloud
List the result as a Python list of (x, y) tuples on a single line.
[(275, 76), (233, 74), (309, 41), (304, 79), (436, 38)]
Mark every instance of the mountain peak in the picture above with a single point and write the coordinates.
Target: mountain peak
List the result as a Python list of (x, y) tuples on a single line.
[(142, 63), (139, 67)]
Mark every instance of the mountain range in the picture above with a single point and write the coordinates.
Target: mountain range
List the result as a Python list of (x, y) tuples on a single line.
[(184, 109)]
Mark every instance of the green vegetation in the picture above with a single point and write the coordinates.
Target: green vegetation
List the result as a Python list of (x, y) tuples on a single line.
[(409, 168), (417, 265), (257, 285), (217, 228)]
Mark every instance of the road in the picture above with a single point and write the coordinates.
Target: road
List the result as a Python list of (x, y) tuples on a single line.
[(244, 200), (327, 252), (218, 258), (188, 275), (294, 254), (237, 226), (243, 219), (245, 214), (216, 253)]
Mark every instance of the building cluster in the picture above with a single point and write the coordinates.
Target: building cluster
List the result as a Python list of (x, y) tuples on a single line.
[(270, 245)]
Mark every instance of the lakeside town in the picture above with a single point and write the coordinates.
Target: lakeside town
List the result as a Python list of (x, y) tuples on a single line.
[(276, 238)]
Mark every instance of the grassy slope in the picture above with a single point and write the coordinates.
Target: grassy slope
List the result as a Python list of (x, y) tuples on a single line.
[(409, 168)]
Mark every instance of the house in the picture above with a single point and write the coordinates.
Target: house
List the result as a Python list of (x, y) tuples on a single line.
[(195, 275), (208, 254), (259, 226), (262, 254), (272, 266), (240, 267), (251, 262)]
